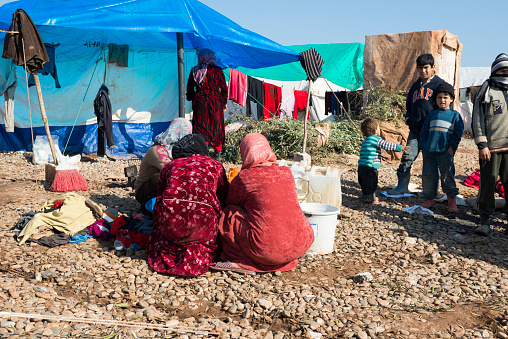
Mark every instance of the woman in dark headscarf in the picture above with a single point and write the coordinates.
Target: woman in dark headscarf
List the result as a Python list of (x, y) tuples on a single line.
[(158, 155), (207, 90), (191, 192)]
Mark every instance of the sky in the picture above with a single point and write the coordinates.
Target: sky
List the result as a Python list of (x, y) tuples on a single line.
[(481, 25)]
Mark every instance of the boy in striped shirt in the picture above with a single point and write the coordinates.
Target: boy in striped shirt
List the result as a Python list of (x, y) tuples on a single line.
[(370, 159), (439, 140)]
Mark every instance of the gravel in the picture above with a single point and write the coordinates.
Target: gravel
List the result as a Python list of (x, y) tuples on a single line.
[(421, 270)]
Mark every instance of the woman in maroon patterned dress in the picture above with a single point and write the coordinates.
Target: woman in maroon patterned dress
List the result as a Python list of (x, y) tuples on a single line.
[(207, 89), (191, 192)]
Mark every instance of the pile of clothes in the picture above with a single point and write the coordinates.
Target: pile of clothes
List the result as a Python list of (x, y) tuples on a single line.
[(72, 218)]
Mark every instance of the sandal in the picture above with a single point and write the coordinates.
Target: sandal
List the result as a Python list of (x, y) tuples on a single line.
[(229, 266)]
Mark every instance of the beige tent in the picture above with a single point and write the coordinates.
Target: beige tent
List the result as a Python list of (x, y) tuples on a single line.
[(390, 59)]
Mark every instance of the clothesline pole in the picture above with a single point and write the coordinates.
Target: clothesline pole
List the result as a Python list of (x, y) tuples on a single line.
[(305, 119), (342, 107), (44, 118)]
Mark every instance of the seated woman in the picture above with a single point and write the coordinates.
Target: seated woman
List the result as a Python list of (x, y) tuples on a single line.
[(156, 157), (263, 228), (191, 192)]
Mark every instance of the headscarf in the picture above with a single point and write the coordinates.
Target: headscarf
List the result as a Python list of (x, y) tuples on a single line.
[(189, 145), (256, 151), (206, 57), (178, 128), (500, 80)]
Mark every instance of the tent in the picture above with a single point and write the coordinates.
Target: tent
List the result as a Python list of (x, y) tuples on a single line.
[(144, 95), (343, 68), (390, 59), (469, 77)]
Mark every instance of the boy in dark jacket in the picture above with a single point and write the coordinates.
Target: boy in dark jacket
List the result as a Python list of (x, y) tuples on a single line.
[(419, 102), (439, 140)]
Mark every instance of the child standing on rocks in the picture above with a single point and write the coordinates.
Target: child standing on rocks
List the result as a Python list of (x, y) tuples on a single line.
[(370, 159), (439, 140), (419, 103)]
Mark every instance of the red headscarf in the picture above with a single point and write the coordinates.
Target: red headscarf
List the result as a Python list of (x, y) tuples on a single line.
[(256, 151)]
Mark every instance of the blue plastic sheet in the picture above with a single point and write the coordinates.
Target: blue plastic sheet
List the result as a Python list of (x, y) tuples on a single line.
[(144, 95)]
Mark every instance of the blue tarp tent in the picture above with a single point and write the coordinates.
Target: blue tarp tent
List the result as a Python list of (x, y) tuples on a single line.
[(144, 95)]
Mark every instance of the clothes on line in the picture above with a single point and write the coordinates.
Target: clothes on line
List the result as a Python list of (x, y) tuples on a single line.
[(272, 98), (8, 83), (118, 54), (333, 106), (49, 67), (255, 94), (237, 87), (300, 102)]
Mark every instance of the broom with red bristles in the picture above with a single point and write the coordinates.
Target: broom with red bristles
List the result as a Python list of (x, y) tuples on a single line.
[(67, 178)]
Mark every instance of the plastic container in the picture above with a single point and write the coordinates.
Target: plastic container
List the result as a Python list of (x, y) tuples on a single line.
[(42, 151), (323, 219), (320, 184)]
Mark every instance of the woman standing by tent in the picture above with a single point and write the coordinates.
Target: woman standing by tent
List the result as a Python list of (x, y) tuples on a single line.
[(207, 89)]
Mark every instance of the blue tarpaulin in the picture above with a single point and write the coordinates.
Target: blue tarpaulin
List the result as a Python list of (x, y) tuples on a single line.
[(144, 95)]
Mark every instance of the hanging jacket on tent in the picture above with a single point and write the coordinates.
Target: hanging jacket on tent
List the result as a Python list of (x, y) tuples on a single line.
[(271, 97), (49, 67), (102, 109), (34, 51), (8, 82)]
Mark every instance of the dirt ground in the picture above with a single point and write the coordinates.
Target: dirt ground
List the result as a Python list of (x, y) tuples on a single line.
[(22, 189)]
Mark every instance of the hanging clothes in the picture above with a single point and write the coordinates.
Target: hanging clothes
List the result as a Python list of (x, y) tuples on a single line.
[(102, 110), (237, 87), (328, 102), (49, 67), (119, 54), (255, 94), (300, 102), (34, 52), (8, 82), (271, 98), (287, 104)]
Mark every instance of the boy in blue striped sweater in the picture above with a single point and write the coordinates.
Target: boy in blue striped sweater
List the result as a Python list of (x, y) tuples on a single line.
[(439, 139), (370, 159)]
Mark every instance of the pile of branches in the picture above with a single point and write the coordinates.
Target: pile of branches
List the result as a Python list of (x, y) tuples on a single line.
[(286, 139)]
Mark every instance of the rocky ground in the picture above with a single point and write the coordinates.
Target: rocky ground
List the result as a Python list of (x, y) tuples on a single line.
[(433, 277)]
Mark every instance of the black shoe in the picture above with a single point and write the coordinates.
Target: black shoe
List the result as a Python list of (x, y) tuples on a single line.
[(484, 219)]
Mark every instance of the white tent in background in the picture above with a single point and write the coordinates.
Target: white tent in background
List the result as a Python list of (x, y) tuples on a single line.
[(469, 77)]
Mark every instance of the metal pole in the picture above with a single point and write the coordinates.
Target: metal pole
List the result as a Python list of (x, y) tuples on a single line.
[(181, 75)]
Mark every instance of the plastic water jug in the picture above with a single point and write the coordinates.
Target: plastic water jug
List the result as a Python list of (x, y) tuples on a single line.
[(321, 184)]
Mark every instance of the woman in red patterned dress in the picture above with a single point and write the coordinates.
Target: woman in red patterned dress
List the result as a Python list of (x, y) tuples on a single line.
[(207, 89), (191, 192)]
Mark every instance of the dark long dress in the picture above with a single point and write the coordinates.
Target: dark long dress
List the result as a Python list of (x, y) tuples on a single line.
[(208, 103)]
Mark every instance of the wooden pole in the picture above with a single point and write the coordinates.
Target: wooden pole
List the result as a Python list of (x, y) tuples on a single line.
[(305, 123), (44, 118)]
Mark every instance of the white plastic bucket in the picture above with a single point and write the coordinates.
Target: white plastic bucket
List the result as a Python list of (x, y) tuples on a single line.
[(323, 219)]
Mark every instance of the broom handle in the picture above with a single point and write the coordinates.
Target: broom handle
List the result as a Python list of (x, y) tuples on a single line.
[(305, 123), (44, 118)]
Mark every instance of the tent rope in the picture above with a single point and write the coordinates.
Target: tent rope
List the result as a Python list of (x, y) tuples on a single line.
[(80, 106)]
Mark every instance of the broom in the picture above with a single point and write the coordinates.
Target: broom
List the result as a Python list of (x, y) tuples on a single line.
[(67, 177)]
